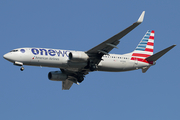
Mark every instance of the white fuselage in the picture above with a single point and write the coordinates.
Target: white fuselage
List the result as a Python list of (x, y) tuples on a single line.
[(59, 59)]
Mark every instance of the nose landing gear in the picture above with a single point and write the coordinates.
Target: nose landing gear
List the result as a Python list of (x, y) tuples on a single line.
[(22, 68), (19, 64)]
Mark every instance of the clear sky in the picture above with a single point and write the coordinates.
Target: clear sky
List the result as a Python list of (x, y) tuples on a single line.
[(81, 25)]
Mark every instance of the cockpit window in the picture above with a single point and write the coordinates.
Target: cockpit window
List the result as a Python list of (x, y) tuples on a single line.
[(13, 50)]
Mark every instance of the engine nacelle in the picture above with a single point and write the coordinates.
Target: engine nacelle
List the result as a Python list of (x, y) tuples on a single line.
[(78, 56), (57, 76)]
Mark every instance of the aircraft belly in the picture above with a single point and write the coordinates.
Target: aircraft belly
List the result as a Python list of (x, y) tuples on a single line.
[(142, 64), (77, 64), (115, 65)]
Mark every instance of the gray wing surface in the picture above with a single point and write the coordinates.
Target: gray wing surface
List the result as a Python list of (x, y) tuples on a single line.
[(66, 85), (106, 46), (73, 77)]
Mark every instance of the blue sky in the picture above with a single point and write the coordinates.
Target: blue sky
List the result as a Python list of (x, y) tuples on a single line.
[(81, 25)]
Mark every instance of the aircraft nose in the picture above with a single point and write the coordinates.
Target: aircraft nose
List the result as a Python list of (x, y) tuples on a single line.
[(7, 56)]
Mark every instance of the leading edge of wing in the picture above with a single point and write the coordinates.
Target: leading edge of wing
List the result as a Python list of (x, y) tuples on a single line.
[(108, 45)]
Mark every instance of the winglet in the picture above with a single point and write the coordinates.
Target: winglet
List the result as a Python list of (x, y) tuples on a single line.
[(140, 20)]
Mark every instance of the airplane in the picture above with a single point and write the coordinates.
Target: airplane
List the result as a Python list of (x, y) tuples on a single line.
[(74, 65)]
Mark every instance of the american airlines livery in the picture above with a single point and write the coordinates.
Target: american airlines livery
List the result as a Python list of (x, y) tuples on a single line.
[(74, 65)]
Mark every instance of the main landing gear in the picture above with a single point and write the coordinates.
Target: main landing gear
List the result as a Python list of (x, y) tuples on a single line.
[(91, 65), (80, 79)]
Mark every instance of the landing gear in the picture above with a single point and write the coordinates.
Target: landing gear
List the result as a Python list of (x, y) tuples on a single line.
[(22, 68), (80, 79), (92, 67), (19, 64)]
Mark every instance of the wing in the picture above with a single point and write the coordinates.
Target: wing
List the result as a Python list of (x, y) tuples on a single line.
[(73, 77), (106, 46), (66, 85)]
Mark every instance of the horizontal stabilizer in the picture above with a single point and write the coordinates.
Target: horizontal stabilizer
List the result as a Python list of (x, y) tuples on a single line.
[(159, 54), (144, 69)]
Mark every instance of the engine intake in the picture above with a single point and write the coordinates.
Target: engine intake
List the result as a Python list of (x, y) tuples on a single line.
[(78, 56), (57, 76)]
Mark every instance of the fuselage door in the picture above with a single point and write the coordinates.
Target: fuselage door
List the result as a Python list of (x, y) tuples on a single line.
[(135, 62)]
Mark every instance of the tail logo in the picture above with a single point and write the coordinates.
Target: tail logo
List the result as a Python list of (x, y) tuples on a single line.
[(145, 47)]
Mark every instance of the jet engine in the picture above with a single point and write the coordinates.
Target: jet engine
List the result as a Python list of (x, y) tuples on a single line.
[(57, 76), (78, 56)]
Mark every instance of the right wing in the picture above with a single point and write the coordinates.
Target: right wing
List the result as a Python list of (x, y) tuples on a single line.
[(106, 46)]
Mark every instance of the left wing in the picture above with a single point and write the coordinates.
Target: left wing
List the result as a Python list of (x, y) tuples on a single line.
[(106, 46), (66, 85), (73, 77)]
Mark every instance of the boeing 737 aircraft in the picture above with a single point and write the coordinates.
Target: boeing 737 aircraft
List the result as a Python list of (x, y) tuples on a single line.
[(74, 65)]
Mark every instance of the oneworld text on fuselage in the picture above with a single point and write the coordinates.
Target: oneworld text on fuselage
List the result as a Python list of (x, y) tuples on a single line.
[(51, 52)]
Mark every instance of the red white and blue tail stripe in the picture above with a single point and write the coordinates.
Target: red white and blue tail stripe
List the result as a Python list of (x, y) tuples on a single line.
[(145, 47)]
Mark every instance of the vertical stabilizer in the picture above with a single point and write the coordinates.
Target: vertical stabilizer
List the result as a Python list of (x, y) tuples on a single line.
[(146, 46)]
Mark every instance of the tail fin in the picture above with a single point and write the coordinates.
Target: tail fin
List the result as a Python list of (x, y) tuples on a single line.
[(144, 50), (146, 47)]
